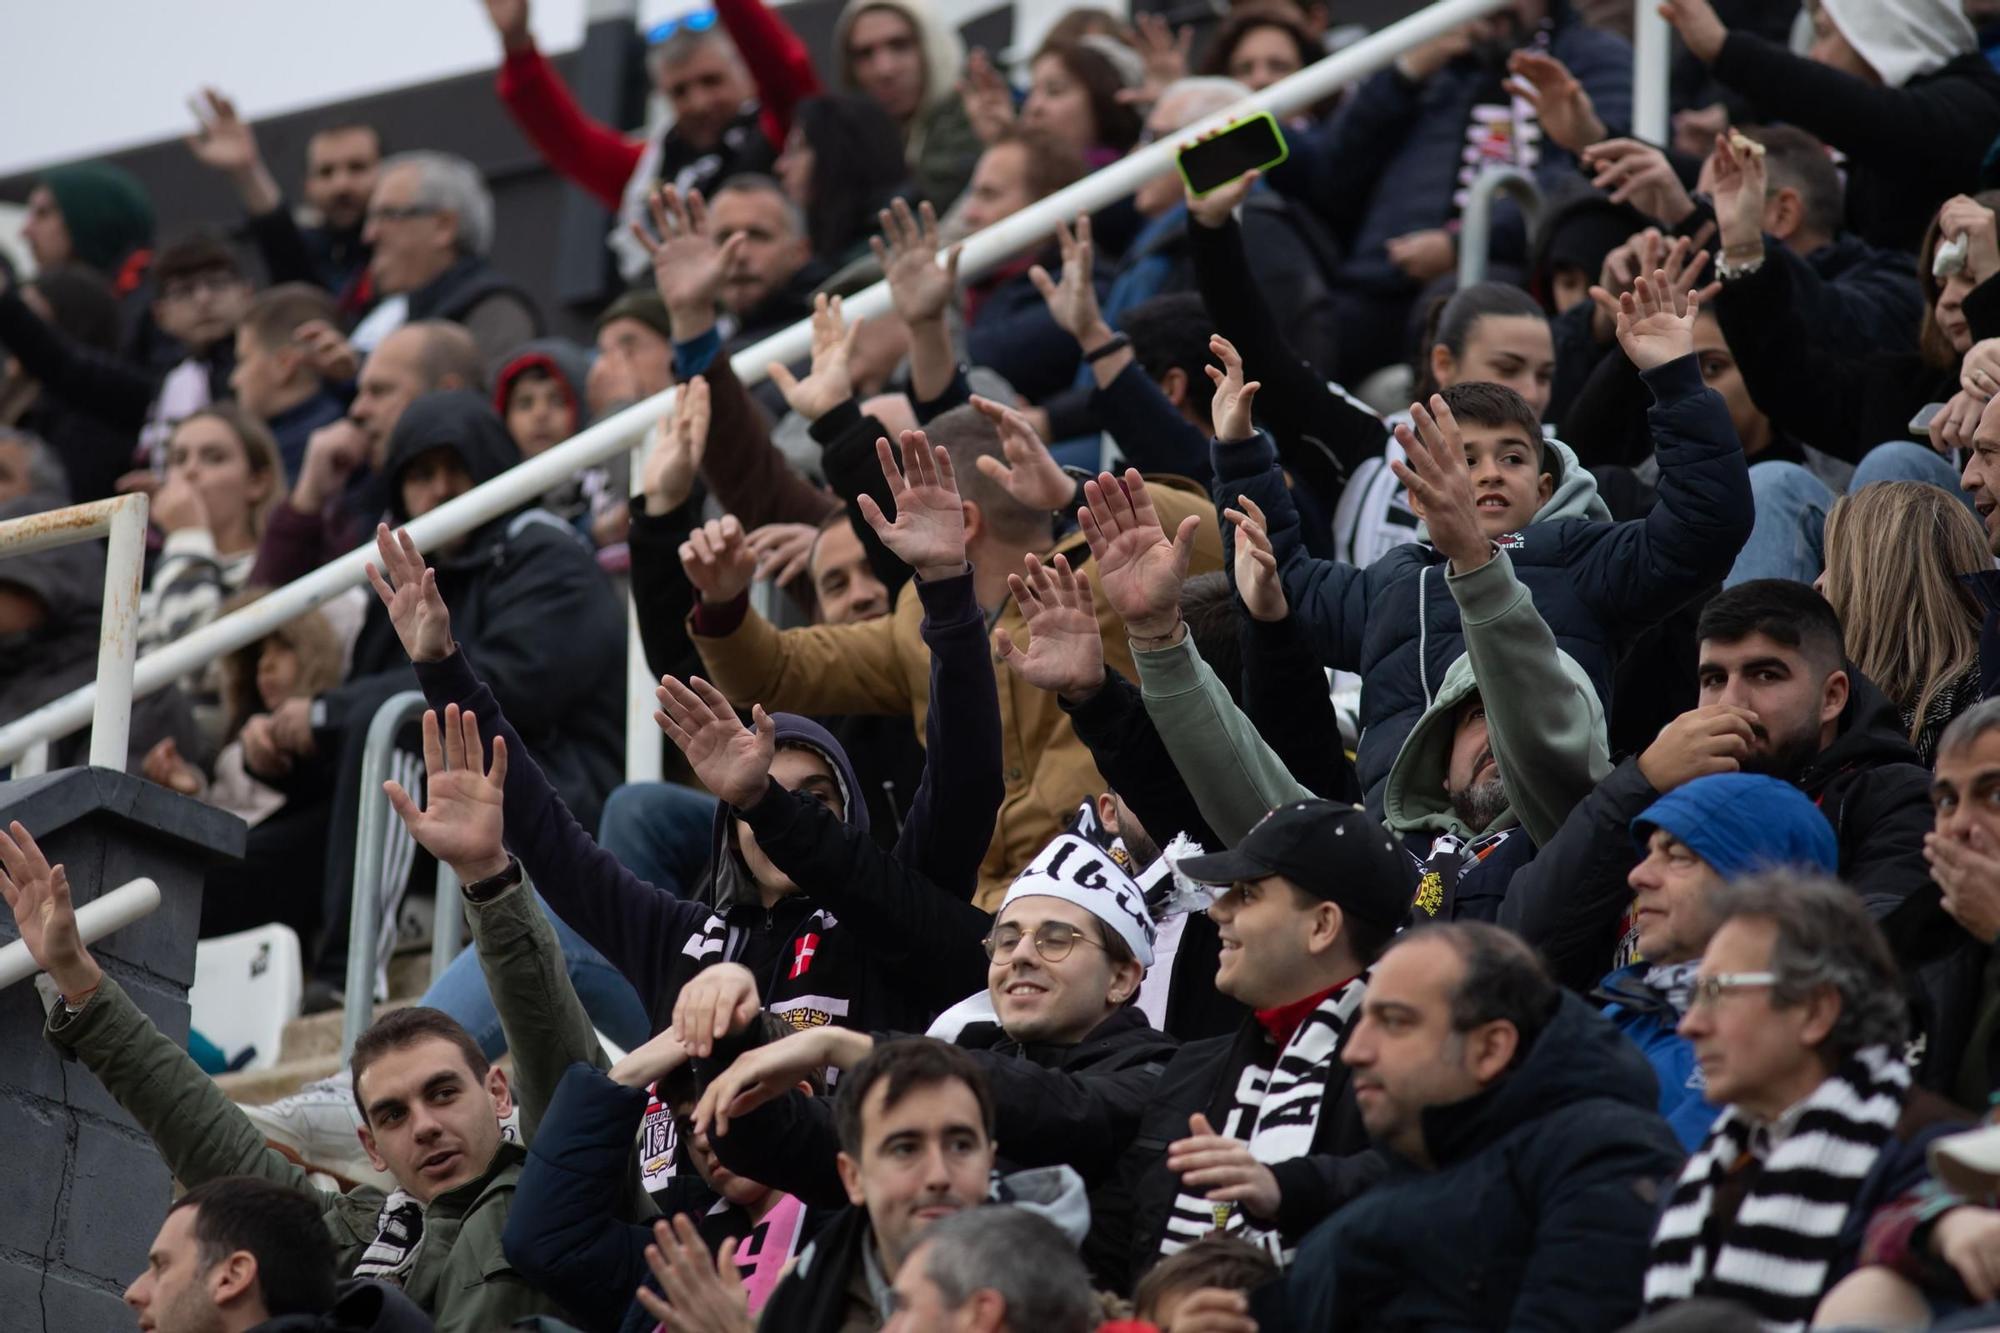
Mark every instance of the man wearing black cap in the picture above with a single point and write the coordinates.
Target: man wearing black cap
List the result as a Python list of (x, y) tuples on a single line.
[(1262, 1135)]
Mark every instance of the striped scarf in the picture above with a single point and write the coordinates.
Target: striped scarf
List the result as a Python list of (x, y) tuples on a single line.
[(399, 1230), (1777, 1252), (1278, 1112)]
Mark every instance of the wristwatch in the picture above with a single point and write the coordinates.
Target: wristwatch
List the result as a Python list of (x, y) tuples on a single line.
[(482, 891)]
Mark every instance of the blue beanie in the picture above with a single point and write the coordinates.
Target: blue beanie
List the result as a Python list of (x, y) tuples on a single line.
[(1743, 822)]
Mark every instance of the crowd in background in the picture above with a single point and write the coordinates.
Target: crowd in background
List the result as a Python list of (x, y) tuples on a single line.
[(1219, 779)]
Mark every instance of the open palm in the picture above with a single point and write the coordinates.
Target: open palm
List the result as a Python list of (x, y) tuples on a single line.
[(907, 250), (462, 822), (830, 383), (1142, 572), (39, 895), (1065, 651), (408, 587), (688, 266), (928, 533), (732, 760), (1656, 322)]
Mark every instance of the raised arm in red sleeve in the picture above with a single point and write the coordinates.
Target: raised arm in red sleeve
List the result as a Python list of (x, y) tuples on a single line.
[(593, 155), (776, 59)]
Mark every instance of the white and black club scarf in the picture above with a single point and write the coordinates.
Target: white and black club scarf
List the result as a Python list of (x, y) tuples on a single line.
[(399, 1230), (1277, 1111), (1775, 1255)]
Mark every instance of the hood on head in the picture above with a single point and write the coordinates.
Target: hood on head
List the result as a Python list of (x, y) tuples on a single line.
[(944, 50), (1055, 1194), (455, 419), (1413, 797), (1575, 495), (1871, 731), (1579, 232), (730, 880), (1901, 39), (565, 360)]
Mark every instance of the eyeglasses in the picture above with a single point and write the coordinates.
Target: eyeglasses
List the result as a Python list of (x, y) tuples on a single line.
[(1053, 941), (400, 212), (214, 283), (1708, 991), (699, 21)]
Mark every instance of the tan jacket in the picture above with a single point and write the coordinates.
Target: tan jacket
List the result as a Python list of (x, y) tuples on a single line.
[(882, 666)]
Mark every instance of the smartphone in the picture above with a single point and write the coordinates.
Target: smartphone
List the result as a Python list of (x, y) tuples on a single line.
[(1920, 424), (1252, 144)]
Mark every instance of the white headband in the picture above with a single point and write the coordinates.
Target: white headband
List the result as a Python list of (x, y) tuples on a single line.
[(1080, 872)]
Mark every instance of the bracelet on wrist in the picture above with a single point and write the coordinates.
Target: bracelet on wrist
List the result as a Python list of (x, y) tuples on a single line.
[(1117, 344), (1150, 642)]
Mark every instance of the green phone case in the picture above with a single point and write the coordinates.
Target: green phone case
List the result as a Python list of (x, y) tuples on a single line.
[(1277, 132)]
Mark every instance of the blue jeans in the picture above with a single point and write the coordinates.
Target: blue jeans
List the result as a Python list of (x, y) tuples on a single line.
[(1902, 460), (660, 832), (1787, 541), (607, 997)]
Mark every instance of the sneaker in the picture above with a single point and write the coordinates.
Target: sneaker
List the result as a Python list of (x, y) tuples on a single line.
[(317, 1127)]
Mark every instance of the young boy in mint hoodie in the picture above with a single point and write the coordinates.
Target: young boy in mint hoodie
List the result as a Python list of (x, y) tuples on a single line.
[(1596, 583)]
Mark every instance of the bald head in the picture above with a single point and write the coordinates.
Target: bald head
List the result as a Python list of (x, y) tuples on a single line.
[(416, 359)]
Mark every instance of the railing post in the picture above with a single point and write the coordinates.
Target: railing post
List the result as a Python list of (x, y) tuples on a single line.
[(1652, 56), (447, 922), (1475, 235), (643, 759), (118, 641), (371, 834)]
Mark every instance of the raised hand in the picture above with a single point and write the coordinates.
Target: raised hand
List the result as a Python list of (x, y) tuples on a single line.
[(718, 561), (1213, 209), (327, 351), (928, 533), (1441, 484), (989, 102), (701, 1297), (1637, 174), (1072, 302), (830, 383), (1030, 472), (223, 142), (1645, 252), (722, 999), (1655, 323), (680, 442), (1698, 26), (1257, 583), (1740, 184), (38, 894), (164, 766), (1141, 570), (1967, 217), (649, 1062), (1165, 53), (1223, 1169), (510, 20), (1561, 105), (1230, 410), (732, 760), (907, 250), (461, 823), (688, 266), (333, 452), (783, 550), (409, 590), (1065, 653), (765, 1073)]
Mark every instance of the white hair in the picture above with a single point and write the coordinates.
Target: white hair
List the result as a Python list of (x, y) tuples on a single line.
[(452, 185), (1201, 96)]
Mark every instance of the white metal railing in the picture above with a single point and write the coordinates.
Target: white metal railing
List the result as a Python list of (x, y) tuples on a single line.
[(1652, 52), (107, 912), (107, 703), (1475, 236)]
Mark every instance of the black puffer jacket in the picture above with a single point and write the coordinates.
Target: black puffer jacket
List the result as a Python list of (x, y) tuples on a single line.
[(1536, 1216)]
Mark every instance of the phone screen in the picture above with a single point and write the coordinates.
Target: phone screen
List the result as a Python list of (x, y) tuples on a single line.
[(1213, 163), (1920, 424)]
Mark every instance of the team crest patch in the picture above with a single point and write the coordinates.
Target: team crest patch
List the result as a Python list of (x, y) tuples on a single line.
[(1512, 541), (1430, 893)]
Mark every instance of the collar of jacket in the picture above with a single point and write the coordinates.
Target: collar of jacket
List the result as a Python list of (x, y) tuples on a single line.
[(1627, 989), (462, 1199)]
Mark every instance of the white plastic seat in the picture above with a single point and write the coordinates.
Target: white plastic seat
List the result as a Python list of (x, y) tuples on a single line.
[(246, 988)]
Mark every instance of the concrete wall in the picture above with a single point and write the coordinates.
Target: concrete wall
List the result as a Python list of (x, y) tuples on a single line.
[(82, 1191)]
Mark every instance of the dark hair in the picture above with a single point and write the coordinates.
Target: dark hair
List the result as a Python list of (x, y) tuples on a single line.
[(1453, 318), (1227, 1262), (200, 252), (1796, 160), (1504, 980), (280, 1227), (1246, 19), (1704, 1314), (858, 167), (1052, 163), (968, 435), (1118, 123), (351, 127), (1824, 938), (1937, 348), (276, 312), (1366, 940), (682, 1086), (902, 1066), (1782, 610), (82, 303), (1215, 623), (400, 1029), (1171, 332), (1479, 403)]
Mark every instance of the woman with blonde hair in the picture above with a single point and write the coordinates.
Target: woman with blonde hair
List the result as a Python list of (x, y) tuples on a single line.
[(1895, 552)]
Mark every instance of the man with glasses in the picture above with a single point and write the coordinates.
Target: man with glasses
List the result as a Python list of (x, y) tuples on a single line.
[(1798, 1023)]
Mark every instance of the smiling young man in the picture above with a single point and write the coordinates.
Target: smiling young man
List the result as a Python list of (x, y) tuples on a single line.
[(431, 1109), (1776, 698)]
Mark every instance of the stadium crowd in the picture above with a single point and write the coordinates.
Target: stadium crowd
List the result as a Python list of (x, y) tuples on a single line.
[(1106, 883)]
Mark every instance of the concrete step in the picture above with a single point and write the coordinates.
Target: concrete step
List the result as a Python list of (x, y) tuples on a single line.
[(254, 1087)]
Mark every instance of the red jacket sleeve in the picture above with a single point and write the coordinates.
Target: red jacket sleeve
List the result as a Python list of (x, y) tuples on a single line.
[(594, 156), (777, 60)]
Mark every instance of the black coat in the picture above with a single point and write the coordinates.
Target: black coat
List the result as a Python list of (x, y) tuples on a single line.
[(1569, 901), (1340, 1166), (363, 1306), (1537, 1216)]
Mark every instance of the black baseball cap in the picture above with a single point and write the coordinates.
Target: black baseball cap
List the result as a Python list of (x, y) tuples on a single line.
[(1330, 850)]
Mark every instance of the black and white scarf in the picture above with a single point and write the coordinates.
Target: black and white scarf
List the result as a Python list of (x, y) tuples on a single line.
[(1776, 1253), (1277, 1111), (399, 1231)]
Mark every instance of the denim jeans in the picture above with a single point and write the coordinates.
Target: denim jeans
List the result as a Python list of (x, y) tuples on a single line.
[(1902, 460), (1787, 541), (660, 832)]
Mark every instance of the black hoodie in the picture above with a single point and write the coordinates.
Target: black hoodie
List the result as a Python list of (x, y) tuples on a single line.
[(362, 1307)]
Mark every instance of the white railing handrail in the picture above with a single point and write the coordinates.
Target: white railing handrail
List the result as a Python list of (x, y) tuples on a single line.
[(111, 910), (526, 481), (107, 704)]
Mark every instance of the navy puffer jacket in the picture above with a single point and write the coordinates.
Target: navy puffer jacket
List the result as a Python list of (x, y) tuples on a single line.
[(1596, 583)]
